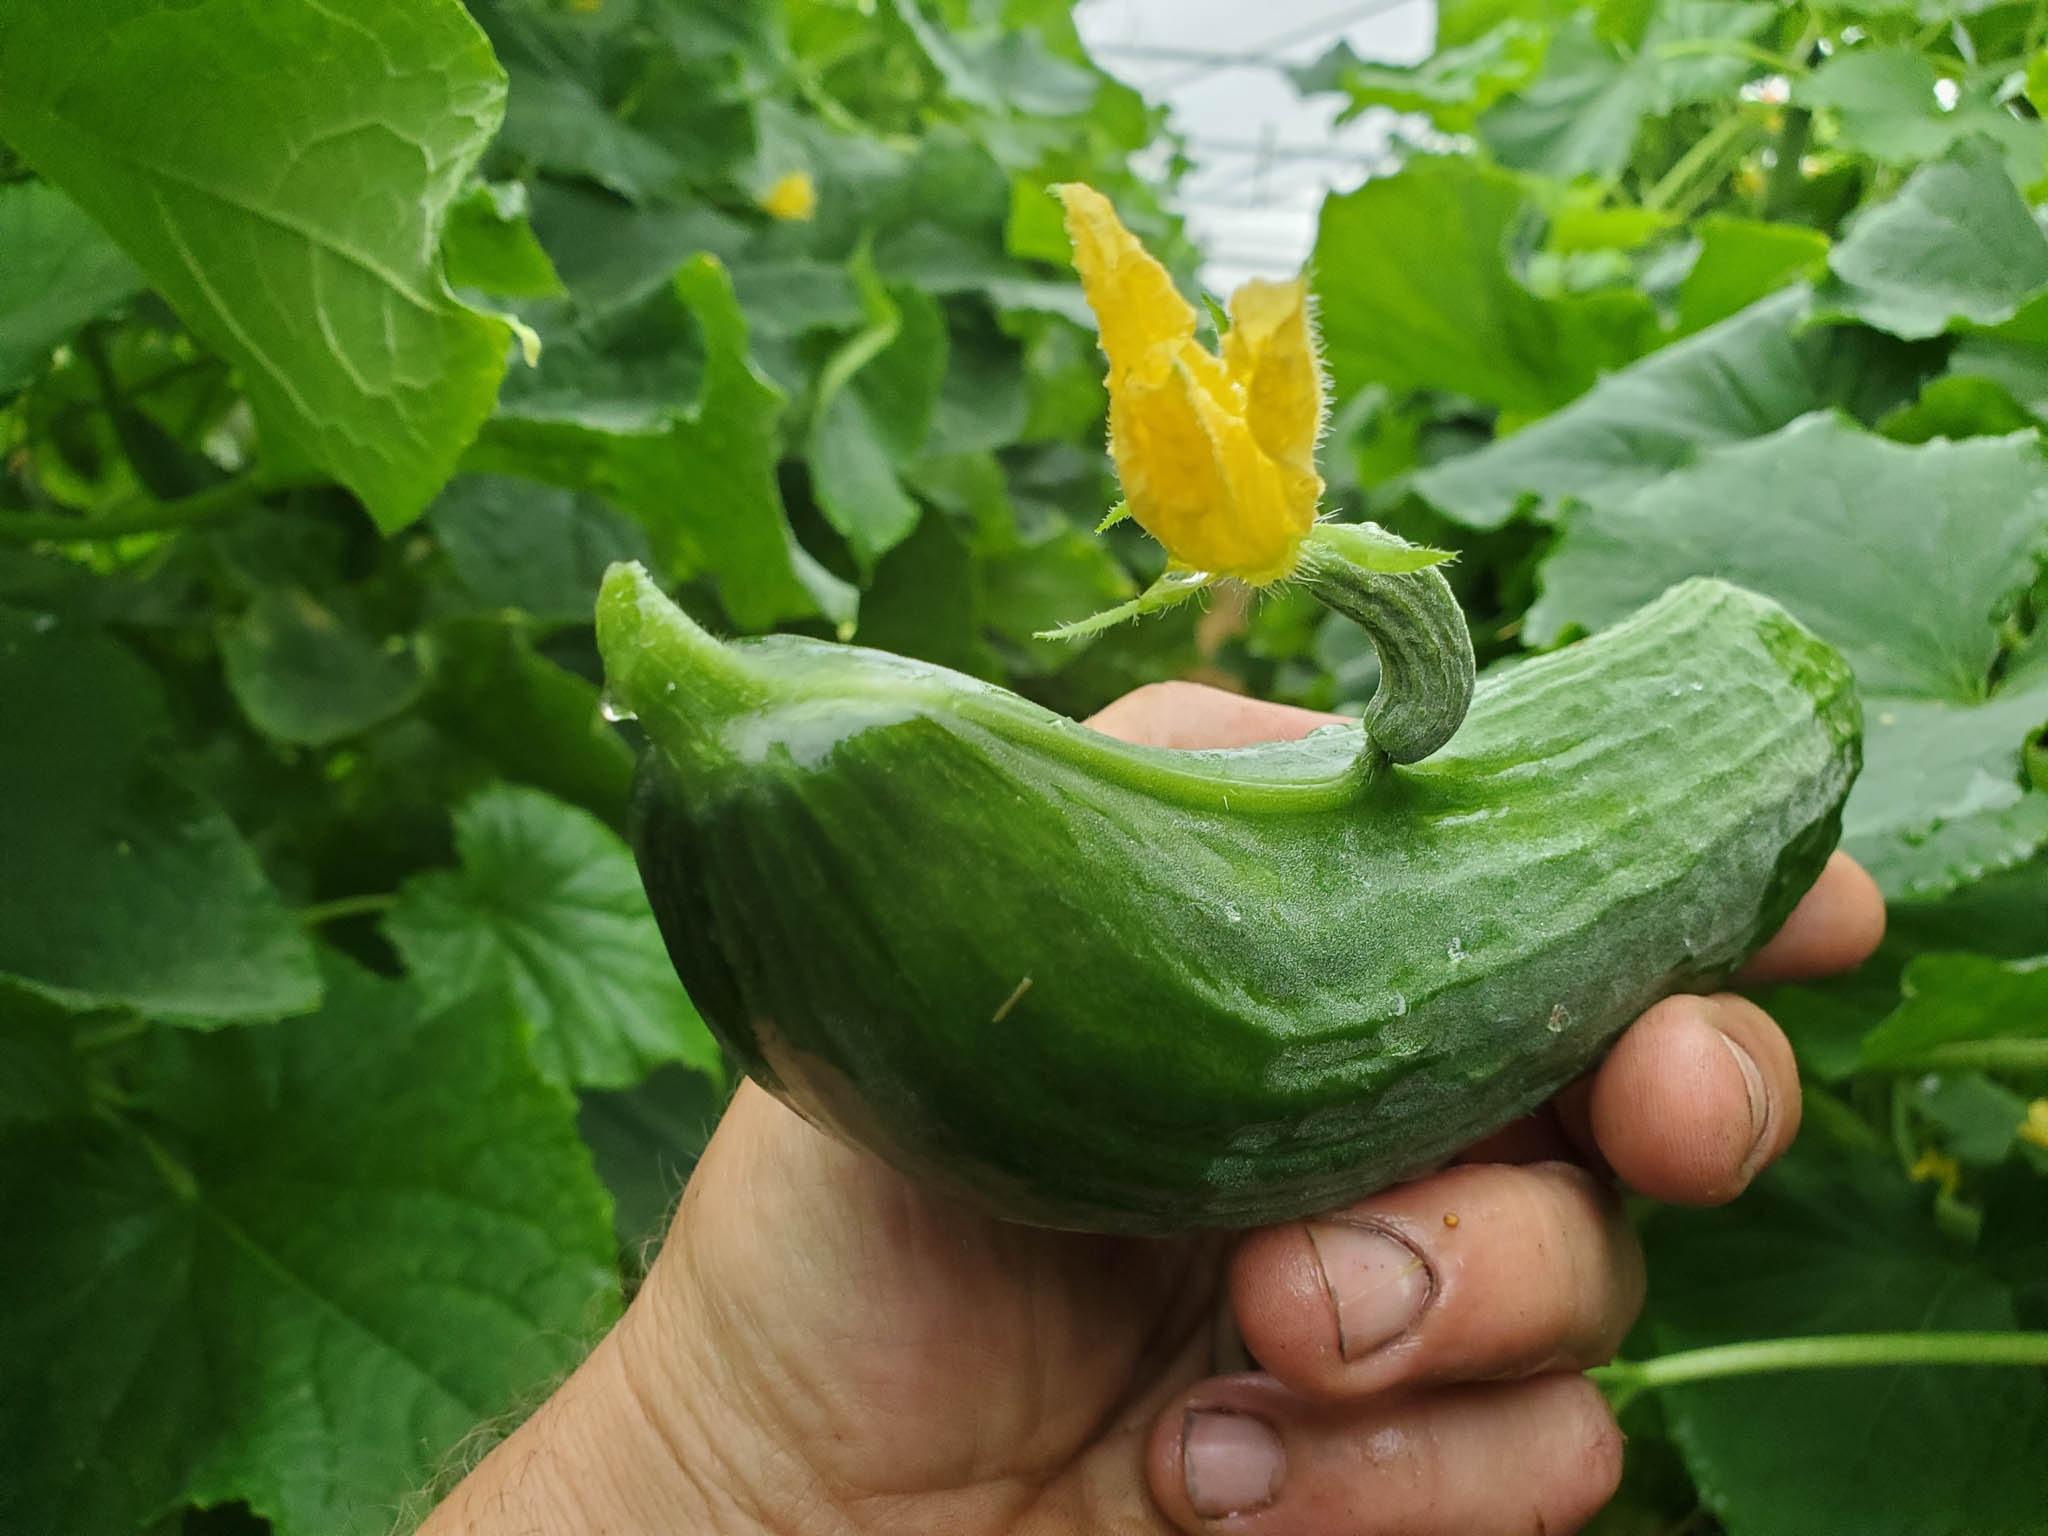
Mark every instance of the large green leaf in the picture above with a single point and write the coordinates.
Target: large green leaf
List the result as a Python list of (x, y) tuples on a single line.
[(531, 719), (294, 1268), (1956, 245), (1884, 104), (1905, 558), (1737, 380), (700, 478), (1580, 116), (1741, 261), (1961, 1005), (125, 886), (1833, 1246), (210, 138), (1426, 299), (60, 272), (306, 672), (547, 905), (538, 549), (645, 1140)]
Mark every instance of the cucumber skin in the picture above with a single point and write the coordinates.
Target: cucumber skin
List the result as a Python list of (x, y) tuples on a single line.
[(1262, 983)]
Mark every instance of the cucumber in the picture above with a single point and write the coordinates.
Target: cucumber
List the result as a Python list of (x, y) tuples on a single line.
[(1124, 989)]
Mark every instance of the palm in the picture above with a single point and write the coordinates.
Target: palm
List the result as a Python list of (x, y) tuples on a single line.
[(962, 1373)]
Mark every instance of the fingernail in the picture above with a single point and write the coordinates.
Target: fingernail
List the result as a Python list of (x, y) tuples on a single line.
[(1231, 1462), (1378, 1284), (1759, 1103)]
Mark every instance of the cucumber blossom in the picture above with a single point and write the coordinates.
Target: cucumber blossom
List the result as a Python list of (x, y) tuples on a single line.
[(1120, 988)]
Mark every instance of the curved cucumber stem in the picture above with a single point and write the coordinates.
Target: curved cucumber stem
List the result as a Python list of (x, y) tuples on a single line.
[(1413, 621)]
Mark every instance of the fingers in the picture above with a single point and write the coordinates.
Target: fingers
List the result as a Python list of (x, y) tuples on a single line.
[(1695, 1099), (1834, 928), (1193, 715), (1242, 1454), (1475, 1273)]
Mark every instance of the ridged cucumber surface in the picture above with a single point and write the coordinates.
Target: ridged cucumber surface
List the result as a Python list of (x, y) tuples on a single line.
[(1126, 989)]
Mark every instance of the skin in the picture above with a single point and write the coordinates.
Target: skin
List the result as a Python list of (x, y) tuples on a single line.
[(821, 1347)]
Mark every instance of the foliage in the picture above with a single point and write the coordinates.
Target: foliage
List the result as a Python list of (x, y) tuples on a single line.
[(343, 344)]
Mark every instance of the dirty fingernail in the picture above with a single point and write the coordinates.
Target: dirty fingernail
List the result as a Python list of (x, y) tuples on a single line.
[(1378, 1284), (1231, 1461)]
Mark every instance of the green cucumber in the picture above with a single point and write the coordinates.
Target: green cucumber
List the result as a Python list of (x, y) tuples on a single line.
[(1120, 988)]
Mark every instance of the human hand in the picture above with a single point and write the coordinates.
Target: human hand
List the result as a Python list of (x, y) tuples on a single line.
[(823, 1347)]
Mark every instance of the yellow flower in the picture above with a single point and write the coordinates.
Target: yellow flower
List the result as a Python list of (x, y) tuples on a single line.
[(1216, 454), (2035, 1127), (1937, 1168), (794, 196)]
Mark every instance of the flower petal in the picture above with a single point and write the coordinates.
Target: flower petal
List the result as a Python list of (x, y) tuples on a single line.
[(1135, 302), (1270, 350), (1196, 479)]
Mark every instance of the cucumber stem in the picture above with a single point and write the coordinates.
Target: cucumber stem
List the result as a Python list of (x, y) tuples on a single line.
[(1425, 650)]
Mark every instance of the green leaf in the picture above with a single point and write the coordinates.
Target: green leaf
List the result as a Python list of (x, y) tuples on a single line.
[(645, 1140), (554, 123), (1884, 105), (1957, 406), (854, 481), (1956, 1010), (1902, 557), (924, 601), (612, 255), (489, 246), (60, 272), (1976, 1116), (305, 672), (1735, 381), (1941, 802), (1428, 301), (1740, 262), (1452, 86), (853, 472), (295, 1268), (701, 481), (538, 549), (43, 1075), (1002, 69), (547, 905), (1956, 245), (1581, 115), (1821, 1246), (130, 889), (231, 148), (1029, 587), (529, 718)]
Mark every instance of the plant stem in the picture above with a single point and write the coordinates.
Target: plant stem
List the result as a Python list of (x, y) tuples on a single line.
[(346, 906), (211, 505), (2012, 1053), (1689, 181), (1625, 1378)]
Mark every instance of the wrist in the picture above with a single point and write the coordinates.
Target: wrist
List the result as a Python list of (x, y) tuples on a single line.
[(614, 1449)]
